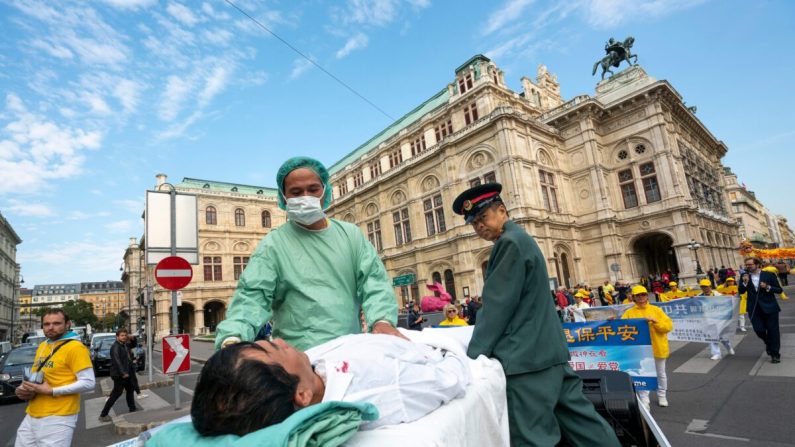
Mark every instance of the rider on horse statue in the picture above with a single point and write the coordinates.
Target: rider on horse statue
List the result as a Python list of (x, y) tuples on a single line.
[(616, 53)]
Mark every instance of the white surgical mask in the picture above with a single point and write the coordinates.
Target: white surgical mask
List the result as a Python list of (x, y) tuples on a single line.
[(305, 210)]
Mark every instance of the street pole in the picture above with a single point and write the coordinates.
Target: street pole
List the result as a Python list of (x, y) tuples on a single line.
[(14, 291), (149, 302), (174, 313)]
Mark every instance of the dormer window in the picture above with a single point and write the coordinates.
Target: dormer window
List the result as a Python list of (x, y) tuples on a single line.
[(234, 189), (465, 83)]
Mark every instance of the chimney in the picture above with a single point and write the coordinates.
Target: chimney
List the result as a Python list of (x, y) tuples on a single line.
[(133, 242), (161, 178)]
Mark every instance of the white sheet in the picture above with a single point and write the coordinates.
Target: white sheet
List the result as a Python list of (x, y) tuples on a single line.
[(480, 418)]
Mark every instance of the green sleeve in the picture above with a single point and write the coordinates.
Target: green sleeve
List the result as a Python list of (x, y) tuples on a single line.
[(373, 285), (501, 295), (250, 307)]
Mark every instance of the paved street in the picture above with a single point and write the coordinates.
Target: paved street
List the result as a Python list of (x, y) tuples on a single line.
[(742, 400)]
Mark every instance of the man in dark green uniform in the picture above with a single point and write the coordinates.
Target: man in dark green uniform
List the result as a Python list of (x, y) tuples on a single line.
[(518, 326)]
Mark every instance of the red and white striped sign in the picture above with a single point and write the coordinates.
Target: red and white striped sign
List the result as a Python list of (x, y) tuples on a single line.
[(173, 273)]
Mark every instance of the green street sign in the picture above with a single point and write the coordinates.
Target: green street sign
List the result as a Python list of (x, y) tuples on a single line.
[(403, 280)]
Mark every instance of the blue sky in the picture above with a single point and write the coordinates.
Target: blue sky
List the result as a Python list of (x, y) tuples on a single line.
[(98, 97)]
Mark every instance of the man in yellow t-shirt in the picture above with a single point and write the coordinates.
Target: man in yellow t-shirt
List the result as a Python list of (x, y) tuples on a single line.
[(60, 372), (660, 325)]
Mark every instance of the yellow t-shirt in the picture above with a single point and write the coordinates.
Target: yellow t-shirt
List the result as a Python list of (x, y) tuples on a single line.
[(659, 331), (456, 322), (60, 370)]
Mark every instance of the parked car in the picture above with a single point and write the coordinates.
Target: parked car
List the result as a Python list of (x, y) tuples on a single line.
[(99, 336), (35, 340), (100, 355), (12, 368)]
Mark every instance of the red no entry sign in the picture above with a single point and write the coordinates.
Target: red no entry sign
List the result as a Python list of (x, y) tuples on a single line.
[(173, 273), (176, 353)]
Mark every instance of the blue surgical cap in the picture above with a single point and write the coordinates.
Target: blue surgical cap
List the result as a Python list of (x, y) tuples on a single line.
[(303, 162)]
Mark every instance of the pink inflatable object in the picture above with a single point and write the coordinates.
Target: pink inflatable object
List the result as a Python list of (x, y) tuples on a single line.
[(435, 303)]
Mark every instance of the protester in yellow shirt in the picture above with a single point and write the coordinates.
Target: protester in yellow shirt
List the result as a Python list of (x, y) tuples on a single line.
[(61, 371), (452, 319), (673, 293), (730, 288), (660, 325)]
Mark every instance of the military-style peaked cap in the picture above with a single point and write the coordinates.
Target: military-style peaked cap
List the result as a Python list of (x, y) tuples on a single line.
[(474, 200)]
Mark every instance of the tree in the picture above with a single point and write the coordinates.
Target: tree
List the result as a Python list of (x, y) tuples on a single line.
[(81, 312), (108, 322)]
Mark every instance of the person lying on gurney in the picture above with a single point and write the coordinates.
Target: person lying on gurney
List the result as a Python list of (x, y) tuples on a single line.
[(249, 386)]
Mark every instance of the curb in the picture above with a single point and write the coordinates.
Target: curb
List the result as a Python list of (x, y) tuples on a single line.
[(122, 427)]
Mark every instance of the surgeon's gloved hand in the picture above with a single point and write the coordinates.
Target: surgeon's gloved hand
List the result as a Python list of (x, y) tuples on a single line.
[(384, 327)]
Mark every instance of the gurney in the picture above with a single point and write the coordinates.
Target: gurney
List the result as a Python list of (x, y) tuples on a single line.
[(479, 418)]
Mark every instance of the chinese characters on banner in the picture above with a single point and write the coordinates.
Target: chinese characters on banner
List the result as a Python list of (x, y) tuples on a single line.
[(701, 319), (618, 345)]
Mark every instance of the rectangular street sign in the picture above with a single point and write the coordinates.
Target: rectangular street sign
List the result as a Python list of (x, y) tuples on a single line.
[(403, 280)]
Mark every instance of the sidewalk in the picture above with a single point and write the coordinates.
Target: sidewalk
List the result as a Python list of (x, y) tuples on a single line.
[(135, 423)]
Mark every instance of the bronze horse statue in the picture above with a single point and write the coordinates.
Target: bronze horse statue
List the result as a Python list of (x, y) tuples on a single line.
[(617, 52)]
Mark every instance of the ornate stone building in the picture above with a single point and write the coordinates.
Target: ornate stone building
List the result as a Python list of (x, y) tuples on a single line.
[(232, 220), (107, 297), (612, 186), (9, 279), (755, 222), (787, 236)]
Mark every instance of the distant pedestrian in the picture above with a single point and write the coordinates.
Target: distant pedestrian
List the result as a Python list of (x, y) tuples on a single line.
[(415, 318), (763, 308), (714, 347), (60, 372), (452, 319), (474, 307), (723, 273), (132, 348), (783, 272), (120, 374)]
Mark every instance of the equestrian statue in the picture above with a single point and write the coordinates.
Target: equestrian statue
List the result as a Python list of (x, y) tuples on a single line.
[(616, 53)]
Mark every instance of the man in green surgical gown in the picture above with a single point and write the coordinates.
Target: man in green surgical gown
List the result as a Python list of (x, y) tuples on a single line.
[(313, 275)]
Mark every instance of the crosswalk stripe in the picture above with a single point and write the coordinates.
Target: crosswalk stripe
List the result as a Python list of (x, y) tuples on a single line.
[(93, 407), (786, 368), (701, 362)]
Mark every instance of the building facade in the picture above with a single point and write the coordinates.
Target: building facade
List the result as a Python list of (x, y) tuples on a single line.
[(9, 280), (614, 186), (787, 236), (755, 223), (107, 297), (54, 295), (28, 320), (133, 278), (232, 220)]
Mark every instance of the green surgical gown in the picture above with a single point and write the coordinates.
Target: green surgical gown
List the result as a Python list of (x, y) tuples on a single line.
[(312, 284)]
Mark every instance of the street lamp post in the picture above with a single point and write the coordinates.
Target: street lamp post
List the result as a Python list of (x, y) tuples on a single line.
[(693, 245)]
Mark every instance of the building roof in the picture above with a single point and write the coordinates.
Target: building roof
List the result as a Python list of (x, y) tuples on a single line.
[(103, 286), (472, 60), (14, 234), (212, 185), (403, 122)]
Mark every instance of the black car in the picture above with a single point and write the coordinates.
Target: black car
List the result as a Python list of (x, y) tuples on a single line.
[(12, 369), (100, 356)]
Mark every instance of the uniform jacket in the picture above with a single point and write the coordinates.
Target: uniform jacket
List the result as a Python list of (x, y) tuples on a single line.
[(659, 331), (119, 360), (518, 324), (764, 300)]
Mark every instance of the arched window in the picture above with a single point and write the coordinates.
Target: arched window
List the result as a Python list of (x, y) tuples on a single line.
[(211, 217), (449, 282), (436, 277), (240, 217), (484, 268), (266, 219)]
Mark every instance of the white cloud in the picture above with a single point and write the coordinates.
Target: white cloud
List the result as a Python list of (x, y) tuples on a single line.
[(54, 50), (83, 260), (24, 208), (604, 14), (214, 84), (372, 12), (354, 43), (38, 150), (299, 67), (120, 226), (182, 13), (96, 103), (131, 206), (127, 92), (218, 37), (507, 13), (210, 11), (130, 4), (177, 90)]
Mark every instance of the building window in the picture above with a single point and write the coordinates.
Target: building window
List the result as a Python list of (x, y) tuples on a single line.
[(358, 179), (375, 169), (640, 149), (210, 216), (549, 191), (240, 217), (212, 268), (488, 177), (470, 113), (374, 234), (418, 145), (465, 83), (436, 277), (395, 158), (266, 219), (400, 219), (343, 187), (240, 263), (449, 282), (434, 215), (627, 183), (649, 179), (443, 129)]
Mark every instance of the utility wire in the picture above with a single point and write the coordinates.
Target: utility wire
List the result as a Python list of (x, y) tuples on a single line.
[(308, 59)]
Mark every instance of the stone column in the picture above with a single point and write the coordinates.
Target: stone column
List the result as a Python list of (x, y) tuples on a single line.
[(198, 319)]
